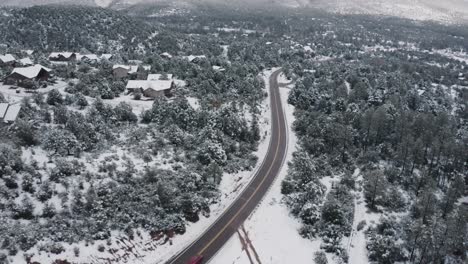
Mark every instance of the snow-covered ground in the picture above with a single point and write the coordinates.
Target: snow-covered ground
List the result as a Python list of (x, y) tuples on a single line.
[(14, 94), (143, 249), (272, 232), (447, 11), (356, 243)]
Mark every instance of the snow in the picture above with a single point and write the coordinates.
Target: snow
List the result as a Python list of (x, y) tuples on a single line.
[(157, 85), (7, 58), (103, 3), (15, 94), (87, 56), (138, 106), (308, 49), (64, 54), (229, 30), (106, 56), (230, 187), (11, 113), (356, 243), (26, 61), (272, 231), (194, 103), (447, 11), (192, 57), (146, 249), (3, 109), (166, 54), (130, 68), (218, 68), (31, 71), (225, 51)]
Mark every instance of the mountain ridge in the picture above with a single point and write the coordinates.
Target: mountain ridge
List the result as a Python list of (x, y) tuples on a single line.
[(447, 12)]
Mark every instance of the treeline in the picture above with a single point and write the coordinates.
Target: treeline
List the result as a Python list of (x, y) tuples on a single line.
[(403, 123)]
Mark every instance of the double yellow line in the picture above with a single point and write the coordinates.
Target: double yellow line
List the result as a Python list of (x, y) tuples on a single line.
[(263, 180)]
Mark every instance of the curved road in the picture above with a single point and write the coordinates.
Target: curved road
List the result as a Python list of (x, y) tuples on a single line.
[(227, 224)]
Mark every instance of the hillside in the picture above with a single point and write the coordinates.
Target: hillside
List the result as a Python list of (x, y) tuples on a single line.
[(71, 28), (448, 11)]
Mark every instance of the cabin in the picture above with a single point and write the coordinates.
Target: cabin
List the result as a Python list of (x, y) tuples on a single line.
[(7, 59), (122, 71), (153, 88), (9, 113), (25, 76), (195, 59), (28, 52), (88, 57), (62, 56)]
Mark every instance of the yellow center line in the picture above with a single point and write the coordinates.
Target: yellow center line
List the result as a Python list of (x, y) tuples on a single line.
[(256, 189)]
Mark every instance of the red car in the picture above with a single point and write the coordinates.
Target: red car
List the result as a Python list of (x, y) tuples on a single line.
[(195, 260)]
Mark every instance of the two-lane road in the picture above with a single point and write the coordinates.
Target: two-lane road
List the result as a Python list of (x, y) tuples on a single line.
[(226, 225)]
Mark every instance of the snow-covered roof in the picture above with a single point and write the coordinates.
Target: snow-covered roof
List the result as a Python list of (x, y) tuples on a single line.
[(121, 66), (29, 52), (146, 67), (129, 68), (64, 54), (7, 58), (88, 56), (158, 85), (192, 57), (166, 54), (26, 61), (31, 71), (12, 113), (106, 56), (308, 49), (155, 77), (3, 109), (218, 68)]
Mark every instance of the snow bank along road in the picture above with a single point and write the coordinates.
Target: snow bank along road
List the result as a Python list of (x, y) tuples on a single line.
[(227, 224)]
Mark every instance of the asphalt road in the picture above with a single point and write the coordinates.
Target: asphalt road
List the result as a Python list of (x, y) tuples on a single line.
[(226, 225)]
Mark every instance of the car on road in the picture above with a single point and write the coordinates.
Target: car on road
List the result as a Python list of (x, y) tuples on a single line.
[(196, 259)]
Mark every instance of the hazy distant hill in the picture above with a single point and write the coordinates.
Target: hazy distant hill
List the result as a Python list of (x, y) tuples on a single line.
[(45, 2), (447, 11)]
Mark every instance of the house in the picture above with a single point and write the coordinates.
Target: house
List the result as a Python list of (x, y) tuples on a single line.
[(151, 89), (195, 59), (9, 113), (25, 75), (25, 62), (28, 52), (87, 57), (159, 76), (121, 71), (7, 59), (62, 56)]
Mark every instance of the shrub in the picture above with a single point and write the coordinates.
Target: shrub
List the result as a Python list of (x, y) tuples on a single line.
[(320, 258), (361, 225)]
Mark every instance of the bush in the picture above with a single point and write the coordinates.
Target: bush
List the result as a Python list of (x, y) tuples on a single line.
[(320, 258), (54, 97), (361, 225)]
